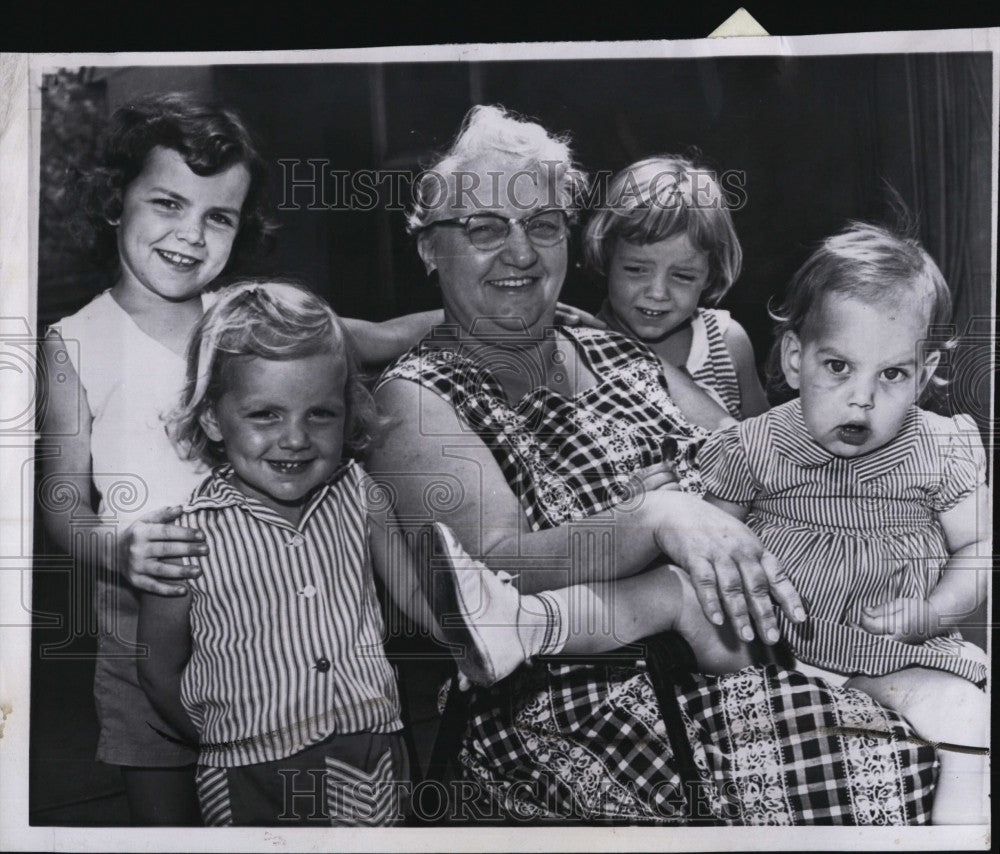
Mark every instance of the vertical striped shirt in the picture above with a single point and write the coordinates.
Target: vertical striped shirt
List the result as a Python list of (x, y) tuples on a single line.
[(286, 630)]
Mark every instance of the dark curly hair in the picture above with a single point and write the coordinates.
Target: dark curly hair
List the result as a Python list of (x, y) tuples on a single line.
[(209, 137)]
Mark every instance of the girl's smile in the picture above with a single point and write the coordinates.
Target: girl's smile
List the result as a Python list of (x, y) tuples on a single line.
[(654, 288), (282, 424), (177, 228), (856, 370)]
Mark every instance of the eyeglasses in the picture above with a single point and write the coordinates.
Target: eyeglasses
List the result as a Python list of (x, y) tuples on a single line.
[(490, 231)]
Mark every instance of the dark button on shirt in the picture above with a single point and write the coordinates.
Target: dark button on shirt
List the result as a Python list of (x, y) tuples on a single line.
[(322, 664)]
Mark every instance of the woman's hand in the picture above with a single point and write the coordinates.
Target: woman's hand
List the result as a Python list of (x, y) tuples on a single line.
[(723, 556), (149, 546)]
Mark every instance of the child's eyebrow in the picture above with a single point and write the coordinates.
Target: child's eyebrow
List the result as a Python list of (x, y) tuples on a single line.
[(179, 198)]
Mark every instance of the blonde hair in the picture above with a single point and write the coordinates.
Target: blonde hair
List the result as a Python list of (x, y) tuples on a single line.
[(269, 319), (655, 199), (493, 136)]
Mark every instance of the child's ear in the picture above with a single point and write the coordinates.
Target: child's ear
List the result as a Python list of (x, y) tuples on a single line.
[(931, 361), (210, 424), (791, 358)]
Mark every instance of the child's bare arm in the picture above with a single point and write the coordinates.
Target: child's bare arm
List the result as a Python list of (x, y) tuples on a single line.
[(962, 586), (395, 563), (165, 629), (377, 344), (752, 397), (965, 577), (140, 549)]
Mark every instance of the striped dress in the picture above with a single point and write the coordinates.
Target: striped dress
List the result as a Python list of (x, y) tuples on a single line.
[(576, 742), (286, 631), (853, 533)]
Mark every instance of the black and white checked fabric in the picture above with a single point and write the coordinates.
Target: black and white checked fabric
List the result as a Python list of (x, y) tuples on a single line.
[(854, 532), (566, 458), (589, 743)]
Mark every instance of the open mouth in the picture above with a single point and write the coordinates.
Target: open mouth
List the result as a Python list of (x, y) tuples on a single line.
[(511, 284), (176, 259), (289, 467), (649, 312), (853, 434)]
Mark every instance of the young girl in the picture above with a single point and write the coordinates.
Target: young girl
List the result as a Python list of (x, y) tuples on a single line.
[(876, 509), (664, 239), (274, 664), (179, 191)]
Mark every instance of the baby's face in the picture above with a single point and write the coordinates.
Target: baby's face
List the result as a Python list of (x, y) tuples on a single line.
[(282, 424), (857, 371), (654, 288)]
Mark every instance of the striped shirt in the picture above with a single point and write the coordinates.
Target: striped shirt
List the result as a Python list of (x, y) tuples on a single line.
[(286, 631), (852, 532)]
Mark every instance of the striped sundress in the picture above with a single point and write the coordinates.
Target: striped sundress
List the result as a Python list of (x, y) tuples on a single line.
[(588, 743), (853, 533)]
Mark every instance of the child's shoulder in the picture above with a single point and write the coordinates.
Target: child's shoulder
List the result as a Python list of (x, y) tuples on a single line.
[(100, 310)]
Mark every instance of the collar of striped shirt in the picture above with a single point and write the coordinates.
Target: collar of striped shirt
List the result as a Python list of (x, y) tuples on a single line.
[(791, 439), (217, 492)]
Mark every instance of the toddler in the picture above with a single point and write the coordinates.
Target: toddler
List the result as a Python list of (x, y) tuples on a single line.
[(273, 664), (875, 508)]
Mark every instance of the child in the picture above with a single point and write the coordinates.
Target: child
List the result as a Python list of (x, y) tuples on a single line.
[(274, 663), (664, 239), (875, 508), (179, 191)]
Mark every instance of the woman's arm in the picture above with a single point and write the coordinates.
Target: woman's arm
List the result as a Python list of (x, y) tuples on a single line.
[(165, 630), (377, 344), (752, 398), (65, 489), (437, 470)]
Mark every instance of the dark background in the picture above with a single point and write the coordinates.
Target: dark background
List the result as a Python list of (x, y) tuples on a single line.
[(820, 140), (815, 136)]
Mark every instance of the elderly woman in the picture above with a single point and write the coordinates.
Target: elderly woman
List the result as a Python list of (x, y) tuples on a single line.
[(529, 441)]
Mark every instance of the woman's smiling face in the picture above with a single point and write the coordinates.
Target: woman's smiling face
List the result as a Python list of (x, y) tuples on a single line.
[(510, 289)]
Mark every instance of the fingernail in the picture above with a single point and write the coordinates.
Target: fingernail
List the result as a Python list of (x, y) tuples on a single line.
[(716, 618), (199, 535), (746, 633), (799, 614), (180, 591), (772, 635)]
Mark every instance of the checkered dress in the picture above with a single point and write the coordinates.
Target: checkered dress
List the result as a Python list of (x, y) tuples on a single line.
[(572, 742)]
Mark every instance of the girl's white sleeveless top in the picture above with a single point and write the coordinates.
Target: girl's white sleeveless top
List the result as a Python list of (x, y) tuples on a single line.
[(130, 380)]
